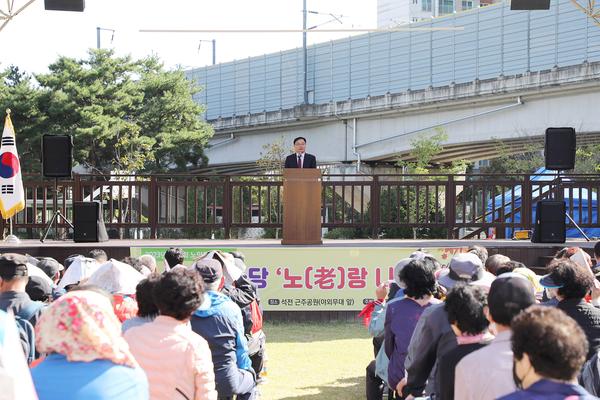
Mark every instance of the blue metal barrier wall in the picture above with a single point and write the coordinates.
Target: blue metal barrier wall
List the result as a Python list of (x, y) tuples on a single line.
[(495, 41)]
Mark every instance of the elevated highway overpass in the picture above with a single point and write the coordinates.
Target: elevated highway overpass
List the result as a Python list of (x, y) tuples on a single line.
[(506, 77)]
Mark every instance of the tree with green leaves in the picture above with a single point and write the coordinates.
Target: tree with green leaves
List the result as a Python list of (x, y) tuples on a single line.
[(124, 114), (18, 92)]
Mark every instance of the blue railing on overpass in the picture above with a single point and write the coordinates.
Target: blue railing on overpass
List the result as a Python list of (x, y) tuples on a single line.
[(495, 41)]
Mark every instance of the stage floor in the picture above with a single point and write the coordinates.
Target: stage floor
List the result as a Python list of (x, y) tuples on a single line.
[(399, 243)]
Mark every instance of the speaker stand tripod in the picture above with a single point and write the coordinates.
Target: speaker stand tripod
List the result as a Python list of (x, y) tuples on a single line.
[(56, 214), (559, 188)]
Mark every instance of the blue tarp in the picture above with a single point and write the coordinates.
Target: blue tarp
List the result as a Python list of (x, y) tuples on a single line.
[(578, 197)]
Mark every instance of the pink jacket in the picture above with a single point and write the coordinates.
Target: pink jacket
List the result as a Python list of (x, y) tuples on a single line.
[(177, 361)]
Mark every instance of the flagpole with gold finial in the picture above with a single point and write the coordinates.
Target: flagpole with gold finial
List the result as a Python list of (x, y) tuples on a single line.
[(11, 239)]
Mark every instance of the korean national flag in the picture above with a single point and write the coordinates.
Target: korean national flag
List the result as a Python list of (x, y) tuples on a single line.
[(12, 195)]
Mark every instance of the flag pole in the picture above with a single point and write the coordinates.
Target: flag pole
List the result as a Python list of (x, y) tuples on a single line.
[(10, 239)]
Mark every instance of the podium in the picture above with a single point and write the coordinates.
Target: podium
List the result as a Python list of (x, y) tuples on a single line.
[(301, 206)]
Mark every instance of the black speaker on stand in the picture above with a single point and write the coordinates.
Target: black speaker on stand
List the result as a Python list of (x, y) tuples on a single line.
[(57, 161), (550, 224), (88, 221), (559, 151)]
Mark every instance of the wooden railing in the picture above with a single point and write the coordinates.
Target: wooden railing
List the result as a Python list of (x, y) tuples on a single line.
[(441, 206)]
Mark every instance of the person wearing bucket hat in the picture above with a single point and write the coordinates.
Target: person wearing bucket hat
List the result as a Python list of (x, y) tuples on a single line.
[(465, 268), (486, 374), (570, 283), (219, 321)]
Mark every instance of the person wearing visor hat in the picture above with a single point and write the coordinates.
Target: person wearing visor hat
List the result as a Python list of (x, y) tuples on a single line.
[(570, 283)]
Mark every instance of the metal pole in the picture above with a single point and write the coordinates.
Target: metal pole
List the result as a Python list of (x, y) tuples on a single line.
[(214, 48), (97, 37), (304, 55)]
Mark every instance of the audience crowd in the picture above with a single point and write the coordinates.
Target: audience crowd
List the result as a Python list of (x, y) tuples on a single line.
[(479, 328), (486, 328), (103, 329)]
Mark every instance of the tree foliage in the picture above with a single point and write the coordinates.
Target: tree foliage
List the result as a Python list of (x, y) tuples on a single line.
[(124, 114), (424, 148), (272, 158)]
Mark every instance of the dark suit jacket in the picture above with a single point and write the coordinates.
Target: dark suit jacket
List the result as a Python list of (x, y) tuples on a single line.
[(310, 161)]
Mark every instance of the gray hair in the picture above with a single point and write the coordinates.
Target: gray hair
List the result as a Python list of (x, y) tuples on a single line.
[(149, 261)]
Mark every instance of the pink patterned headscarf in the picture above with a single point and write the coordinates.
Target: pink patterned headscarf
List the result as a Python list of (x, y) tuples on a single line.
[(82, 326)]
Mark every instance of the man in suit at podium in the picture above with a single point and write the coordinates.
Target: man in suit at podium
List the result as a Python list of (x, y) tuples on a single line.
[(300, 159)]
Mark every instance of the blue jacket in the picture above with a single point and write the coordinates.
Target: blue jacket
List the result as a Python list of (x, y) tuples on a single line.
[(550, 390), (219, 322), (55, 378)]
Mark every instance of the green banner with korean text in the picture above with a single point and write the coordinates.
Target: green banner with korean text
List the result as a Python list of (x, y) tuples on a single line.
[(314, 278)]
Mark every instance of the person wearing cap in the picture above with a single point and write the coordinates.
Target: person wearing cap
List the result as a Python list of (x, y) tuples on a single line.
[(549, 349), (38, 289), (13, 282), (219, 321), (251, 312), (51, 267), (402, 316), (570, 282), (486, 374), (433, 336)]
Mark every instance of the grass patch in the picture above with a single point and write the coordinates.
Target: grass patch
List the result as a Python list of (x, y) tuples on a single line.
[(308, 361)]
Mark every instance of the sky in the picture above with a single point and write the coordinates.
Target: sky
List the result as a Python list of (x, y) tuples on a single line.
[(35, 38)]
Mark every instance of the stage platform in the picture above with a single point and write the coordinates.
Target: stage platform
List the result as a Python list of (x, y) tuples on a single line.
[(524, 251)]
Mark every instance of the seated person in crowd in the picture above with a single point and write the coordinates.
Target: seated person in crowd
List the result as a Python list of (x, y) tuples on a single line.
[(376, 373), (465, 306), (174, 258), (401, 317), (87, 356), (569, 283), (433, 336), (486, 374), (176, 360), (494, 262), (13, 281), (219, 321), (549, 349), (144, 297), (480, 251), (251, 312), (149, 262), (15, 378), (99, 255)]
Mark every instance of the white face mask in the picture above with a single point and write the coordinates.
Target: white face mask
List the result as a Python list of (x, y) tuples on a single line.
[(550, 292)]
